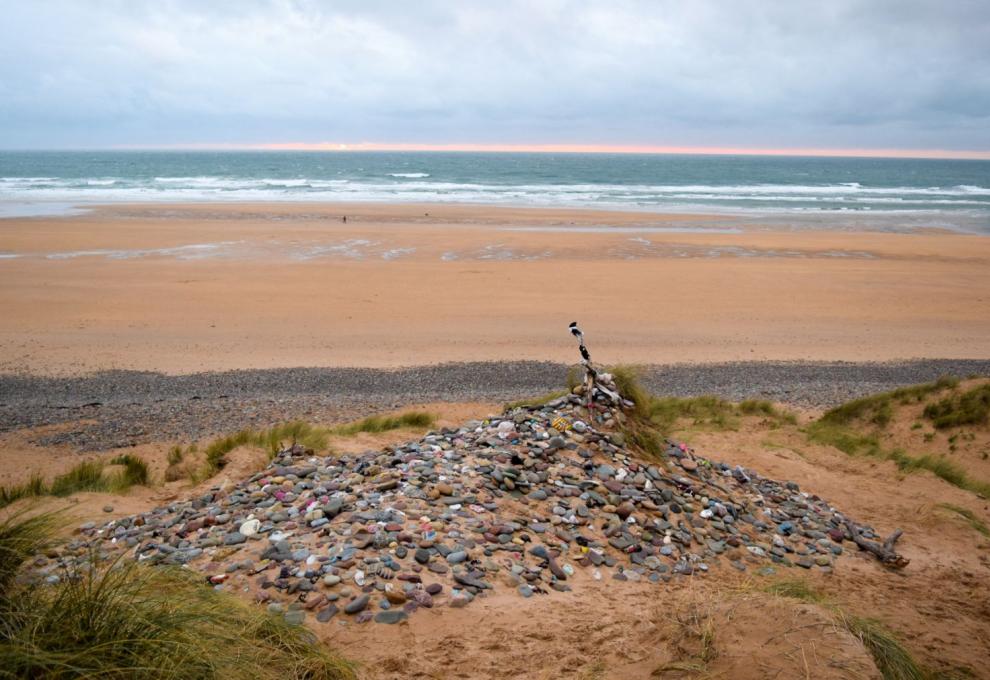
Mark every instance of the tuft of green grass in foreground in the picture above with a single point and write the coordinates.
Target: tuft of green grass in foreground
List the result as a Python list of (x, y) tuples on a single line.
[(21, 536), (89, 475), (891, 658), (969, 408), (128, 620), (375, 424)]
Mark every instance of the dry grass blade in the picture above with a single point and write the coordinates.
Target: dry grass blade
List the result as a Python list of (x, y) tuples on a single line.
[(126, 620), (375, 424)]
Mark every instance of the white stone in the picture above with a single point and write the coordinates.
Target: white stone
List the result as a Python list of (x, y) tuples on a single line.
[(250, 527)]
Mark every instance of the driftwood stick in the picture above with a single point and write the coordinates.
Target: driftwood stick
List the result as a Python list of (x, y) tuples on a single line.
[(884, 552)]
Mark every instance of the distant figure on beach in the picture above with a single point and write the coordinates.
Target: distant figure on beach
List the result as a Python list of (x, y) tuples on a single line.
[(344, 218)]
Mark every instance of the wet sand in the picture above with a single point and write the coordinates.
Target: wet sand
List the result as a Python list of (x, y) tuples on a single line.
[(190, 288)]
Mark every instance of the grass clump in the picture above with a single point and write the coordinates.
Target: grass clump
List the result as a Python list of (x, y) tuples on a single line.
[(712, 412), (845, 439), (176, 454), (627, 382), (878, 409), (217, 450), (272, 440), (89, 475), (854, 443), (795, 589), (128, 620), (969, 516), (654, 417), (664, 412), (21, 536), (375, 424), (85, 476), (296, 432), (694, 642), (836, 428), (178, 466), (891, 658), (35, 486), (969, 408), (135, 472)]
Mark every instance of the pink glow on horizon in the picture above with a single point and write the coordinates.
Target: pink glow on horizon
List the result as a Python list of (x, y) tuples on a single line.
[(594, 148)]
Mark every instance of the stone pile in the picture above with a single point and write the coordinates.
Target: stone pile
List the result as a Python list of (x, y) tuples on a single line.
[(521, 501)]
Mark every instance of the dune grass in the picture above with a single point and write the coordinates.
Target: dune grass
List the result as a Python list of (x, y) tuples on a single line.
[(274, 439), (627, 382), (271, 440), (135, 472), (837, 428), (375, 424), (178, 466), (878, 409), (89, 475), (969, 517), (653, 418), (854, 443), (21, 536), (126, 620), (795, 589), (890, 656), (695, 638), (969, 408), (176, 454), (707, 411)]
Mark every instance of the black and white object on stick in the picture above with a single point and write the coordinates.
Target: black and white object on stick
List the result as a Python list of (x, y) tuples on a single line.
[(576, 332)]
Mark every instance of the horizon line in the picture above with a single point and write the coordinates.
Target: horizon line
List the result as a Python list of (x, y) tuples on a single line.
[(573, 148)]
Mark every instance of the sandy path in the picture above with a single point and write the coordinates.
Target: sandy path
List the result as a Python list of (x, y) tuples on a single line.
[(186, 289)]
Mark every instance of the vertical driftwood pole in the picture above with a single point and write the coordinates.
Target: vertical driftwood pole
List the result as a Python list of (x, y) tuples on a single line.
[(592, 384), (590, 374)]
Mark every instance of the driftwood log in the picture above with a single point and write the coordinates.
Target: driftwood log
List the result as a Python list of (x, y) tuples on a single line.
[(883, 551), (592, 384)]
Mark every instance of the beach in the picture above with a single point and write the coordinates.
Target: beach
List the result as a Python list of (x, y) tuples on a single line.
[(157, 332), (207, 287), (591, 341)]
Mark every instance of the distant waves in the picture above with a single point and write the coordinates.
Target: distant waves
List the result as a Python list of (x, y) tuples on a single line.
[(892, 193)]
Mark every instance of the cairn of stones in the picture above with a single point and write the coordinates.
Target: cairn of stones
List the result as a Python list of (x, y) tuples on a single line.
[(539, 499)]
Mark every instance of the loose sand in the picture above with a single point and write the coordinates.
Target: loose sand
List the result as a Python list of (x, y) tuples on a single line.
[(189, 288), (938, 605)]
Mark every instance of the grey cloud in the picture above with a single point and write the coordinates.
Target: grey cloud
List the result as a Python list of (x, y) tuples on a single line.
[(865, 73)]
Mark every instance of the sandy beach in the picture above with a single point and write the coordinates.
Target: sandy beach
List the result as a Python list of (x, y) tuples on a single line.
[(187, 288)]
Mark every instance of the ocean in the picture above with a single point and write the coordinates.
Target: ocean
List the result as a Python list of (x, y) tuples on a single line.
[(842, 193)]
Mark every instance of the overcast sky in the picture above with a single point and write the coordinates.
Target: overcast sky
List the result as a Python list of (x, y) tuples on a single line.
[(738, 73)]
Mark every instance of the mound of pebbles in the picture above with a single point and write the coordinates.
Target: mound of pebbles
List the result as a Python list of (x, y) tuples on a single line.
[(521, 501)]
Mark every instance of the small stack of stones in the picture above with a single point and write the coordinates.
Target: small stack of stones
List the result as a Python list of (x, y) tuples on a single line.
[(521, 501)]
